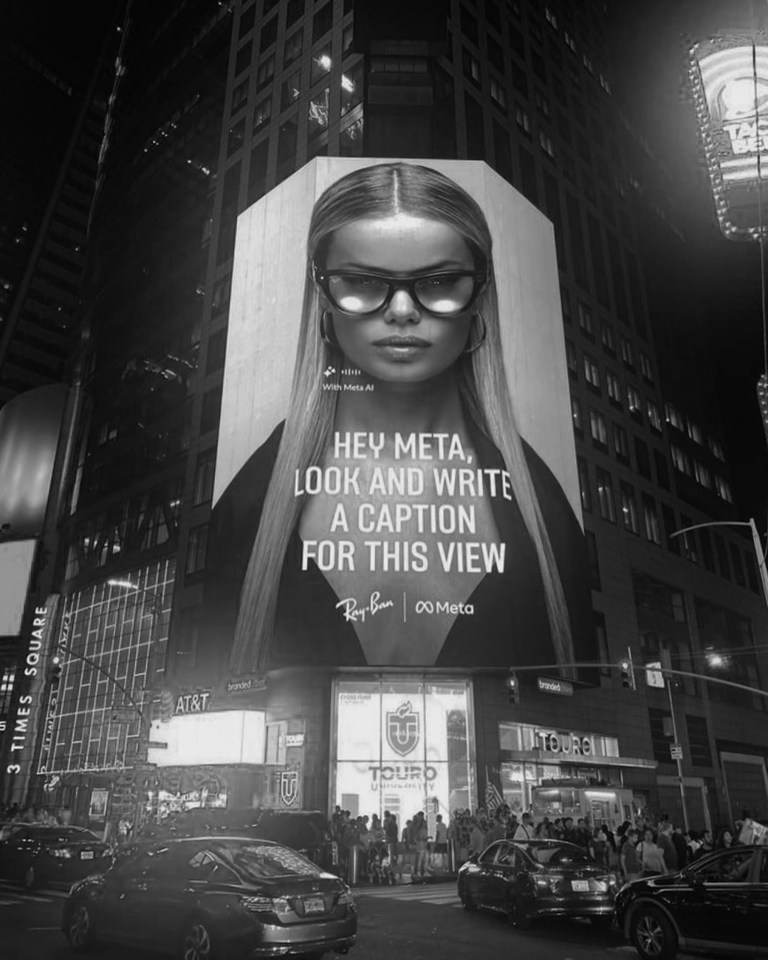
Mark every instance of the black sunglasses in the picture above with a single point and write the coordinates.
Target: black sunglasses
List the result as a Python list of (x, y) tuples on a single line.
[(444, 293)]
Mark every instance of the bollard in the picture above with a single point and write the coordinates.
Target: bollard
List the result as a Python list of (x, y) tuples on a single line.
[(354, 865)]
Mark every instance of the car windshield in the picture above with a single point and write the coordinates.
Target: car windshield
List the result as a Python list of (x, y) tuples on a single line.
[(261, 861), (557, 854)]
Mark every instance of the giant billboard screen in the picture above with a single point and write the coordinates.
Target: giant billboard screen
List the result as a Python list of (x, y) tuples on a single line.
[(395, 480), (729, 78)]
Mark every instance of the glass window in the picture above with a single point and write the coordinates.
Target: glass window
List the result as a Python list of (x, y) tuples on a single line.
[(471, 66), (292, 47), (620, 443), (629, 507), (351, 136), (268, 34), (627, 353), (584, 487), (239, 96), (266, 72), (731, 867), (204, 475), (318, 112), (605, 495), (243, 57), (651, 519), (598, 429), (291, 90), (654, 417), (498, 93), (635, 403), (613, 388), (351, 87), (262, 113), (196, 549), (591, 373), (236, 137), (578, 422), (321, 64), (322, 21)]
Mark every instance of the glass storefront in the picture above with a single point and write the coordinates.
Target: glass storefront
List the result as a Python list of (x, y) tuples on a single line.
[(403, 745)]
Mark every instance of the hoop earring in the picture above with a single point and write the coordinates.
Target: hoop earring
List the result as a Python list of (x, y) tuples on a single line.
[(481, 339), (329, 341)]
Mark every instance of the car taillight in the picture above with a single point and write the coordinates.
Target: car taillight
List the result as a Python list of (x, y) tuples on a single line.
[(549, 884), (278, 905), (346, 898), (63, 853)]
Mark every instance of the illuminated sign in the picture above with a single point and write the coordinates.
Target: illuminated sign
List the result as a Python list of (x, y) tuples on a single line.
[(729, 77), (352, 530), (403, 729), (197, 702), (568, 743), (225, 736), (16, 558)]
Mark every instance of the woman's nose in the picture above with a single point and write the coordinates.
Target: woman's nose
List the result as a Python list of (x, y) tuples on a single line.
[(402, 308)]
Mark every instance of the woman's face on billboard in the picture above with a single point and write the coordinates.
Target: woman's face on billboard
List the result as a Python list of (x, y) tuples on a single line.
[(400, 291)]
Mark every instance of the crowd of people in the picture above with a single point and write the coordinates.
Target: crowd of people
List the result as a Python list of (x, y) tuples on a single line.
[(13, 813), (387, 853)]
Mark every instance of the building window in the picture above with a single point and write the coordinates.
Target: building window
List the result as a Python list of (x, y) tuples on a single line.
[(698, 741), (266, 72), (591, 373), (236, 137), (220, 296), (498, 93), (471, 67), (578, 422), (262, 113), (291, 90), (322, 22), (627, 353), (702, 474), (680, 460), (320, 65), (243, 57), (629, 507), (661, 734), (723, 488), (651, 519), (642, 458), (571, 360), (584, 487), (594, 559), (247, 19), (694, 431), (738, 565), (523, 120), (635, 404), (597, 429), (551, 18), (351, 136), (546, 144), (620, 443), (654, 417), (204, 474), (605, 495), (717, 449), (689, 539), (239, 96), (646, 368), (674, 417), (662, 470), (196, 549), (585, 320), (292, 47), (351, 87), (268, 35), (318, 112), (215, 353), (613, 387)]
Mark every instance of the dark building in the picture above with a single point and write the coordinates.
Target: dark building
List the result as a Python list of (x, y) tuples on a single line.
[(219, 104)]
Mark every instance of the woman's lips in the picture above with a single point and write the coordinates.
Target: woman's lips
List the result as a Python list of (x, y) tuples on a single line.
[(401, 342)]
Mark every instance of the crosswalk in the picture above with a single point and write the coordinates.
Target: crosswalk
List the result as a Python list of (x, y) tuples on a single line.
[(12, 896), (439, 893)]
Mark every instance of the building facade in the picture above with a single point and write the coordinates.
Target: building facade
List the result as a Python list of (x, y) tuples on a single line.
[(220, 105)]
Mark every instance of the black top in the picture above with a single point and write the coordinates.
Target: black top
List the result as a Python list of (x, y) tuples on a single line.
[(509, 625)]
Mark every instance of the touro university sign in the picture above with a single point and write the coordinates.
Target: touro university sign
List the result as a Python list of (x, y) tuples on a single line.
[(403, 729)]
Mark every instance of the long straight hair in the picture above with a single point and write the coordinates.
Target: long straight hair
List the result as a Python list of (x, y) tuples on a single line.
[(382, 191)]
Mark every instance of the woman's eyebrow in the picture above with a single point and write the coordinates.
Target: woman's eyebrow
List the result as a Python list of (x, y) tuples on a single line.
[(426, 268)]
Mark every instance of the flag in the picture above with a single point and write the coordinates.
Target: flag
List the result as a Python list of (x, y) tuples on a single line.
[(493, 797)]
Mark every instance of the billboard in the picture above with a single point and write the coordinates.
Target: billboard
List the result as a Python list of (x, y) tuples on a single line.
[(395, 478), (729, 77)]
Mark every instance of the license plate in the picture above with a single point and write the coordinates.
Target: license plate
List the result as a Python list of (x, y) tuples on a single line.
[(314, 905), (580, 886), (86, 854)]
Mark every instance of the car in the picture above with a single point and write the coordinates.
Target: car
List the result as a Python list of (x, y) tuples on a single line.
[(306, 831), (716, 907), (531, 879), (36, 854), (216, 896)]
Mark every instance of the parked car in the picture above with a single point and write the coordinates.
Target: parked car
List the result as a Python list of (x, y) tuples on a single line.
[(307, 831), (538, 878), (33, 854), (716, 907), (214, 896)]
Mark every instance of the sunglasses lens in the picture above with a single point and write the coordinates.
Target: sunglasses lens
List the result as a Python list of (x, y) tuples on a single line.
[(355, 294), (448, 293)]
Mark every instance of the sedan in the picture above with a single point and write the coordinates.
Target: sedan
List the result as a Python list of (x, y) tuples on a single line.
[(538, 878), (223, 897), (33, 854), (716, 907)]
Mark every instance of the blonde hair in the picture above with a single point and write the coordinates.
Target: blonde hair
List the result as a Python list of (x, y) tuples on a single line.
[(381, 191)]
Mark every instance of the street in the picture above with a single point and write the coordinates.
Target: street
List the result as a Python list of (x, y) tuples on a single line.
[(396, 923)]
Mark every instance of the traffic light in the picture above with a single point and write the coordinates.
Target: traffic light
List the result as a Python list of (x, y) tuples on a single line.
[(627, 672), (54, 671), (513, 688)]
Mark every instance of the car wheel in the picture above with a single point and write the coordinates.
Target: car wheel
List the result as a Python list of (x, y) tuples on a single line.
[(29, 878), (196, 942), (80, 927), (517, 913), (467, 900), (653, 935)]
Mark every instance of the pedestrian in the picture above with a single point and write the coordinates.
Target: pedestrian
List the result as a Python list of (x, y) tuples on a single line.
[(526, 829), (441, 843), (606, 853), (667, 846), (629, 860), (497, 829), (651, 855), (421, 839), (681, 848), (725, 840), (476, 837)]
